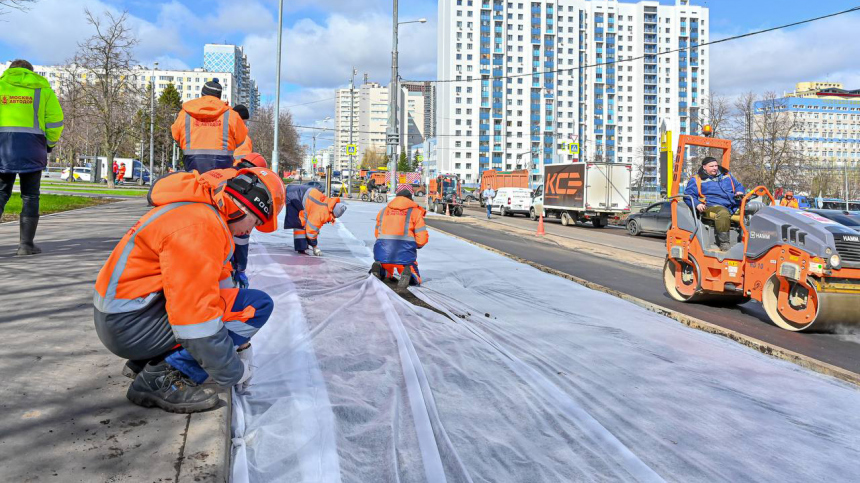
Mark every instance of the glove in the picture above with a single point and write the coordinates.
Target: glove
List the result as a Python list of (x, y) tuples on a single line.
[(246, 356), (317, 251), (240, 279)]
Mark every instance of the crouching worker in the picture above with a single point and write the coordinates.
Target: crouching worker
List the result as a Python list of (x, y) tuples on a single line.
[(307, 211), (162, 299), (400, 232), (240, 256)]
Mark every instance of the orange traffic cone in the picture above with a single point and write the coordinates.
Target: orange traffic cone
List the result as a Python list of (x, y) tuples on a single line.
[(540, 230)]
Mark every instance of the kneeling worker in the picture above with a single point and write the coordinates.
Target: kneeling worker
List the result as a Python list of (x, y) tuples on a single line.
[(162, 301), (717, 192), (400, 232), (307, 211)]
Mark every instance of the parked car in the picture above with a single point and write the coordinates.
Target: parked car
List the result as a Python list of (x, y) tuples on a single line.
[(655, 219), (512, 201), (52, 173), (851, 219), (317, 185), (80, 174)]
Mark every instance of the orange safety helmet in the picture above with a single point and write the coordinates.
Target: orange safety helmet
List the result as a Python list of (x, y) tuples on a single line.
[(790, 194), (265, 201), (252, 160)]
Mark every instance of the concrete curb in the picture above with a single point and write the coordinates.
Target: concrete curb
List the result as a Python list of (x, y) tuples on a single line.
[(759, 345), (206, 453)]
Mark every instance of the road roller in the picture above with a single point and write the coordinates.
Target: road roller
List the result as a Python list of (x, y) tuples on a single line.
[(803, 268)]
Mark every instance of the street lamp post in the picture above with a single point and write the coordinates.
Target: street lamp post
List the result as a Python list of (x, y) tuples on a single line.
[(394, 89), (151, 126), (275, 163)]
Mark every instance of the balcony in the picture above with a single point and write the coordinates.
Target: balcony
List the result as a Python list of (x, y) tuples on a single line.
[(485, 29), (610, 51), (485, 70), (484, 115), (483, 149), (498, 83), (485, 17), (682, 105), (598, 122), (497, 115), (650, 39), (650, 49), (682, 64), (535, 40), (651, 100), (536, 10), (651, 18), (535, 117), (535, 139), (650, 29), (598, 90), (650, 69), (650, 59), (650, 90), (651, 110), (484, 139), (598, 110), (484, 127), (536, 31), (497, 105), (484, 159), (498, 61), (498, 7), (682, 84), (549, 95), (548, 127), (549, 42), (651, 79), (598, 30), (498, 73), (498, 30), (549, 85), (485, 50)]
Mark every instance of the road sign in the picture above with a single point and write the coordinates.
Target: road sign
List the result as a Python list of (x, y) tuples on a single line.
[(351, 149), (393, 139), (315, 161), (419, 158), (573, 148)]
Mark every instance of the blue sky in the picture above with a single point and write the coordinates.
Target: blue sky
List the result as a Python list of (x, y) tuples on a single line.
[(325, 38)]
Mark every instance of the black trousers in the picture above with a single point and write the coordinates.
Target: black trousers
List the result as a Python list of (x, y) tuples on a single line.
[(30, 185)]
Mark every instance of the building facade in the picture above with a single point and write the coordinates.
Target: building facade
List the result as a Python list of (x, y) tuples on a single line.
[(346, 114), (372, 119), (527, 77), (232, 58), (827, 120), (428, 90), (412, 106)]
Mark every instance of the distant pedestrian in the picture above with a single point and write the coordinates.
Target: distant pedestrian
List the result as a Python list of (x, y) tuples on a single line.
[(115, 172), (31, 122), (121, 174), (488, 196)]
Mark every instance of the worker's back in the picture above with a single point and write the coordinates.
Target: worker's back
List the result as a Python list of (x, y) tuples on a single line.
[(400, 232), (208, 132)]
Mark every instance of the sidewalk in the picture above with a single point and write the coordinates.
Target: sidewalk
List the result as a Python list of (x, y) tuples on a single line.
[(64, 412)]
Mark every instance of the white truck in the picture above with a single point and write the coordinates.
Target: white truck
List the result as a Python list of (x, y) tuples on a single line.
[(595, 192), (135, 171)]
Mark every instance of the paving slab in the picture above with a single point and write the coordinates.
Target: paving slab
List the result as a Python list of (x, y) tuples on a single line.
[(62, 394)]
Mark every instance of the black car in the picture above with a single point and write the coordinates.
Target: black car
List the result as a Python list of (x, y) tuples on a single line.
[(656, 219), (851, 219)]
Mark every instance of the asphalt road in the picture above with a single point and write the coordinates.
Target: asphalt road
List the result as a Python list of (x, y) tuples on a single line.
[(842, 350)]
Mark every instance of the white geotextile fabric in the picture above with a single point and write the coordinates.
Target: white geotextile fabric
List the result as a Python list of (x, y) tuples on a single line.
[(535, 379)]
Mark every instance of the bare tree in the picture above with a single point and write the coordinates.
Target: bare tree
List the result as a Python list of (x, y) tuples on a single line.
[(106, 60), (76, 117), (764, 151), (16, 4), (262, 131)]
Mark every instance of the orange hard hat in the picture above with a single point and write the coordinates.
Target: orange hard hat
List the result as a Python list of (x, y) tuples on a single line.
[(262, 192), (789, 193), (252, 160)]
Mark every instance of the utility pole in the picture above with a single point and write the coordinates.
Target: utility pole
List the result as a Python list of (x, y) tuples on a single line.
[(393, 126), (845, 175), (151, 127), (275, 166), (351, 111)]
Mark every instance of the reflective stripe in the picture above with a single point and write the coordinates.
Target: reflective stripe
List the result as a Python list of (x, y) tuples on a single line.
[(216, 152), (317, 201), (406, 224), (54, 125), (299, 237), (419, 230), (187, 132), (225, 144), (241, 240), (381, 217), (27, 130), (119, 306), (310, 225), (223, 225), (396, 237), (110, 304), (37, 99), (197, 331), (241, 328)]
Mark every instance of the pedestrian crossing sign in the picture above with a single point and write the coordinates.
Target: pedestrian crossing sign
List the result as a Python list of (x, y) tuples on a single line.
[(351, 149), (573, 148)]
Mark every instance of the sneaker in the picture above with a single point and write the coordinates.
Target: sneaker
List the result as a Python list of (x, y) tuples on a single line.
[(169, 389)]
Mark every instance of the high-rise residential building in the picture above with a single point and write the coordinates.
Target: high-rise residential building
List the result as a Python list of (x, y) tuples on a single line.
[(189, 83), (527, 77), (428, 90), (412, 106), (346, 112), (372, 118), (827, 121), (232, 58)]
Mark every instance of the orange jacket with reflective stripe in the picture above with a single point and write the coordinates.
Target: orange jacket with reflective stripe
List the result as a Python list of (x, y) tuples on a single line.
[(399, 232), (207, 126), (316, 212), (791, 203), (244, 149), (182, 248)]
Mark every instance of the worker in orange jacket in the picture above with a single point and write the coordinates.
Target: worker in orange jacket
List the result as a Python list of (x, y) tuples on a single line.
[(789, 200), (247, 146), (120, 174), (400, 232), (163, 298), (240, 256), (208, 131), (307, 211)]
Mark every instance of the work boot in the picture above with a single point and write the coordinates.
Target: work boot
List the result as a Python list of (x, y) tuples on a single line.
[(28, 232), (163, 386), (405, 279), (132, 368), (723, 240), (376, 271)]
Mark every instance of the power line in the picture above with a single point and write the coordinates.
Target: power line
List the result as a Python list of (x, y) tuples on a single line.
[(630, 59), (312, 102)]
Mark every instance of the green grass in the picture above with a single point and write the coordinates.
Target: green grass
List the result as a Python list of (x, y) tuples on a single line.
[(100, 191), (51, 204)]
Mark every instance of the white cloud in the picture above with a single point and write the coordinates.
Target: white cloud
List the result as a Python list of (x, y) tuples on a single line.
[(321, 55), (777, 60)]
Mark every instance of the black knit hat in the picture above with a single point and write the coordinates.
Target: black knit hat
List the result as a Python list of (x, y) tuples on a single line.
[(242, 111), (405, 193), (212, 88), (709, 159)]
